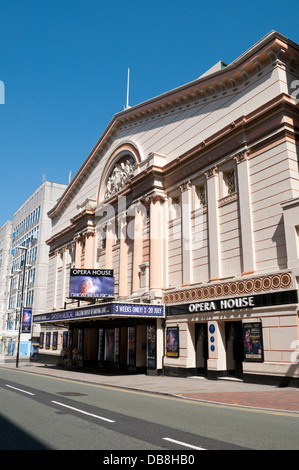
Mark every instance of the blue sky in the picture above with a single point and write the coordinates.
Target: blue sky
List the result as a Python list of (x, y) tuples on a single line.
[(64, 66)]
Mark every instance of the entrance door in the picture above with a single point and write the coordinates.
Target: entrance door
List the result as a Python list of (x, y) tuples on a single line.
[(234, 348), (201, 338)]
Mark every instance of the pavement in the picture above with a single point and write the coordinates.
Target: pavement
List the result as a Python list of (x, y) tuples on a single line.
[(226, 391)]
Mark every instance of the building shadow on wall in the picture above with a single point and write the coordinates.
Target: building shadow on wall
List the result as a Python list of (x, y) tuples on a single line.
[(278, 240)]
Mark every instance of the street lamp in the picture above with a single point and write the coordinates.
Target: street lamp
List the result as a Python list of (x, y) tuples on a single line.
[(21, 308)]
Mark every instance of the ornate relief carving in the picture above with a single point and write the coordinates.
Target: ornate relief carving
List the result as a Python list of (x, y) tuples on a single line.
[(122, 172), (242, 287)]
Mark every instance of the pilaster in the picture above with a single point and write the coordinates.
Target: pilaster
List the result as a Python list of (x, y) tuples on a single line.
[(213, 224)]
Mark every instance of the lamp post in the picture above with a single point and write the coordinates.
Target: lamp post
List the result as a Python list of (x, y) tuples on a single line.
[(21, 308)]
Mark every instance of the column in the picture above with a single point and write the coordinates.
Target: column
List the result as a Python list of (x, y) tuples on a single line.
[(157, 239), (213, 224), (56, 263), (123, 256), (248, 255), (186, 201), (138, 241), (64, 264), (110, 234), (89, 249), (78, 251), (216, 345)]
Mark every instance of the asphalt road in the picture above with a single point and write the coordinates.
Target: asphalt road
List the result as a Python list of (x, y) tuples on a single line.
[(48, 413)]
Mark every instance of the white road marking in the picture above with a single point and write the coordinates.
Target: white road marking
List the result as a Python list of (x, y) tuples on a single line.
[(19, 389), (84, 412), (183, 443)]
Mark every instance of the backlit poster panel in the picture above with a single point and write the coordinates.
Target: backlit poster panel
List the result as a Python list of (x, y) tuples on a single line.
[(65, 340), (101, 345), (48, 338), (253, 342), (151, 347), (91, 283), (80, 344), (26, 320), (109, 344), (172, 342), (131, 346), (55, 340)]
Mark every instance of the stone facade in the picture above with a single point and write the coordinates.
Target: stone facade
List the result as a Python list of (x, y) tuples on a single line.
[(207, 210)]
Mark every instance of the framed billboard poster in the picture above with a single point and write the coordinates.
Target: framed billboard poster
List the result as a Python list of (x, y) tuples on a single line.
[(65, 340), (253, 342), (91, 283), (26, 320), (172, 341), (131, 358), (55, 340), (109, 344), (41, 340), (151, 346), (48, 339)]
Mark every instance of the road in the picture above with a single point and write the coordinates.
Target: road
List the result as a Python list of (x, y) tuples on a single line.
[(49, 413)]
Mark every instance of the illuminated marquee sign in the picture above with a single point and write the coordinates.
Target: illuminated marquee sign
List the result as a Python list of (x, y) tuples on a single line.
[(106, 310), (91, 283), (235, 303)]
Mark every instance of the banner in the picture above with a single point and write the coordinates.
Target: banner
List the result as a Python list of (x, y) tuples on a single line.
[(26, 320), (172, 342), (253, 342), (91, 283)]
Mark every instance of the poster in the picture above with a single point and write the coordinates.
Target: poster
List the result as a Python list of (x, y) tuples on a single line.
[(65, 340), (109, 345), (41, 340), (26, 320), (55, 339), (116, 348), (131, 346), (101, 345), (91, 283), (48, 338), (252, 341), (172, 342), (80, 345), (151, 347)]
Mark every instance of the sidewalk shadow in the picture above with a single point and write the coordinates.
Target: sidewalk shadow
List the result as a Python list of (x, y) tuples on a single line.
[(289, 379)]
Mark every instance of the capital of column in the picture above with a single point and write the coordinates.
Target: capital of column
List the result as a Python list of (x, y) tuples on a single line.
[(212, 172), (241, 156), (156, 197), (185, 186)]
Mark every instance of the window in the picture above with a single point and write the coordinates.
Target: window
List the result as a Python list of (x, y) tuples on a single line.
[(229, 181), (175, 210), (201, 195)]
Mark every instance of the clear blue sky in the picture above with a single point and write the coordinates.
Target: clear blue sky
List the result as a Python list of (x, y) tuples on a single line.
[(64, 66)]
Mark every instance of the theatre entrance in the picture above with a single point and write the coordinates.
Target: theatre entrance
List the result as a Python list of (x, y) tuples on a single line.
[(201, 341), (116, 345), (234, 349)]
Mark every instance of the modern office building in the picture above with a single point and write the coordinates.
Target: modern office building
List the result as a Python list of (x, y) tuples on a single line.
[(5, 249), (189, 202), (26, 257)]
